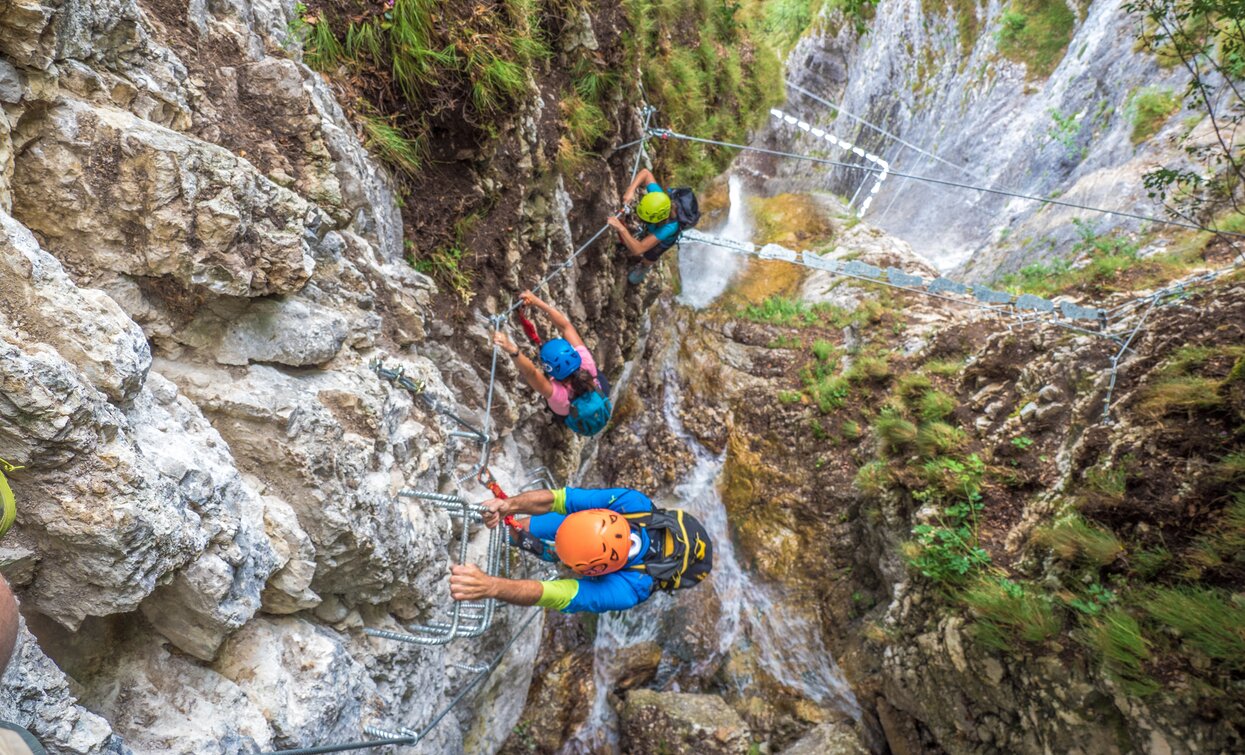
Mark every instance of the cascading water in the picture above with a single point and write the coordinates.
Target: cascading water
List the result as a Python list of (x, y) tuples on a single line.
[(706, 270), (753, 616)]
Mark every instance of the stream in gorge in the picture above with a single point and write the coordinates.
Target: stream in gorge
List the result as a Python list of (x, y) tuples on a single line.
[(754, 618)]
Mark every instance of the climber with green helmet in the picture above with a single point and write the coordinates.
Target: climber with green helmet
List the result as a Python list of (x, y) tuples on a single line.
[(661, 225), (567, 378)]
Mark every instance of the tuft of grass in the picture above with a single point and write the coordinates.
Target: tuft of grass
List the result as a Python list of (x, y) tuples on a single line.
[(936, 406), (392, 144), (1224, 546), (1116, 638), (1107, 483), (1181, 394), (939, 438), (1148, 109), (829, 392), (1148, 564), (868, 369), (780, 310), (894, 432), (322, 51), (943, 367), (912, 385), (1007, 611), (873, 479), (822, 349), (850, 429), (1207, 621), (1075, 540), (1231, 467), (790, 397)]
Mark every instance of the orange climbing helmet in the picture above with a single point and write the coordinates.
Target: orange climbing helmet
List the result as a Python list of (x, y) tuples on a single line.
[(594, 542)]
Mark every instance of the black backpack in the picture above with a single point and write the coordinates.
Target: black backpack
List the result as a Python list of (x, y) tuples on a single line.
[(680, 554), (684, 210)]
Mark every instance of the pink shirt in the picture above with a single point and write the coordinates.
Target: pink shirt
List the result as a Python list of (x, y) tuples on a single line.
[(560, 400)]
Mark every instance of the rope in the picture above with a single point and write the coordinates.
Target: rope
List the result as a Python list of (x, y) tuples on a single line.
[(416, 738), (7, 501), (668, 134)]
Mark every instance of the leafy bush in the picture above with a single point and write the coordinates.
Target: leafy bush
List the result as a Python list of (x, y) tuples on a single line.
[(945, 553)]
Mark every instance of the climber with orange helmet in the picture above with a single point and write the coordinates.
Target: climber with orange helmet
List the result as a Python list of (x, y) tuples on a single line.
[(619, 544), (665, 215), (567, 378)]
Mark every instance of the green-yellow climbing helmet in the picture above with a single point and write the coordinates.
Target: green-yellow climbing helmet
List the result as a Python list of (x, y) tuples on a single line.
[(654, 207)]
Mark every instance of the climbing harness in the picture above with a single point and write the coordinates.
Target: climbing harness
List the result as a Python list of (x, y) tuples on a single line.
[(409, 737), (8, 504)]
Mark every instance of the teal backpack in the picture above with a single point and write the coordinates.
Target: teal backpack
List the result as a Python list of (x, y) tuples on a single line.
[(590, 413)]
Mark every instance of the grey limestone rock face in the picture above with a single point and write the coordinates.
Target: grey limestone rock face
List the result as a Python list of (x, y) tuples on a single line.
[(111, 191), (677, 722)]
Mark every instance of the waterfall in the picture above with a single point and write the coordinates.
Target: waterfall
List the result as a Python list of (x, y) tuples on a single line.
[(754, 615), (706, 271)]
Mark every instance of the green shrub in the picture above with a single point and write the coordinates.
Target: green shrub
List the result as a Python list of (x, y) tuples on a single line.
[(1007, 611), (955, 477), (946, 553), (936, 406), (790, 397), (1148, 109), (786, 20), (850, 429), (1075, 540), (1207, 621), (1116, 638), (939, 438)]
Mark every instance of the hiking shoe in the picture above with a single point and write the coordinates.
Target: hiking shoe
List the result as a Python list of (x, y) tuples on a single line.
[(637, 274)]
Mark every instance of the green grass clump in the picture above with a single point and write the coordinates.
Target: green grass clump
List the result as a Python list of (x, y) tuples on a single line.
[(822, 350), (1075, 540), (392, 145), (786, 20), (1206, 620), (1036, 33), (1007, 611), (829, 392), (1115, 637), (943, 367), (894, 432), (1107, 483), (1148, 109), (1231, 467), (1181, 394), (873, 478), (1150, 563), (936, 406), (868, 369), (790, 397), (912, 385), (850, 429), (1224, 546), (780, 310), (939, 438)]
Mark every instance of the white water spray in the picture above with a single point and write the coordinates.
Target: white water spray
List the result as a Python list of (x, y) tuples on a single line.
[(706, 270)]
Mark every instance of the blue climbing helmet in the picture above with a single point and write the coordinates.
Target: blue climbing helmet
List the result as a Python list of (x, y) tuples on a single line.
[(559, 358)]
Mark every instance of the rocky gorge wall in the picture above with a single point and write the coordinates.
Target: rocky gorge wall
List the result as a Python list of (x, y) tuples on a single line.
[(199, 263), (1049, 120)]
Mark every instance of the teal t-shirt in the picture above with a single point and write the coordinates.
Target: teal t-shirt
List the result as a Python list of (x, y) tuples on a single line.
[(665, 232)]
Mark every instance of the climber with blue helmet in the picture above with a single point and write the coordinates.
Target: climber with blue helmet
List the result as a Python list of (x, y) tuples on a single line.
[(567, 377), (664, 218)]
